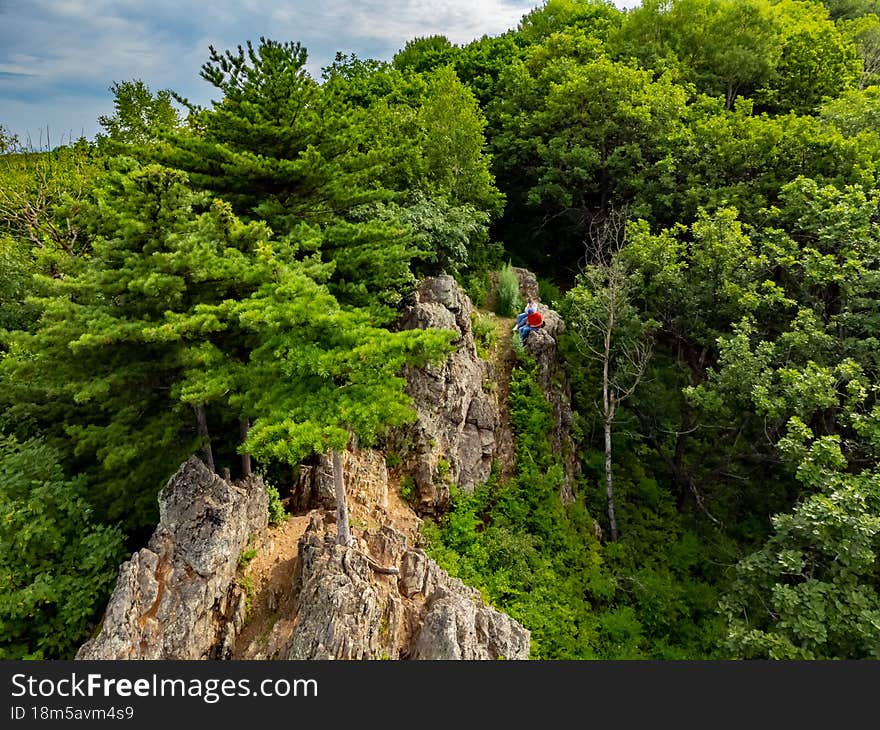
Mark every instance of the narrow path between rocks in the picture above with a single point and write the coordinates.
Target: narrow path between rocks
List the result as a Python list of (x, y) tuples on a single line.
[(504, 360), (268, 579)]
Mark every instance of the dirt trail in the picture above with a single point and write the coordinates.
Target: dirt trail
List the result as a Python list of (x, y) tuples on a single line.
[(268, 579), (503, 358)]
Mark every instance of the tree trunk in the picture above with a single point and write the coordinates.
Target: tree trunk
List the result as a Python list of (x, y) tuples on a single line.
[(202, 430), (609, 405), (343, 534), (609, 489), (243, 427)]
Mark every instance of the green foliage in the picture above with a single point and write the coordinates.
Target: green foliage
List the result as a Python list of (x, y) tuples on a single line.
[(140, 117), (371, 170), (40, 193), (18, 267), (245, 557), (255, 272), (57, 566), (572, 138), (507, 302), (443, 233), (8, 142), (425, 54), (477, 285), (540, 561), (443, 469), (787, 54), (812, 591), (551, 293), (408, 489), (277, 513), (485, 332), (246, 583), (134, 335)]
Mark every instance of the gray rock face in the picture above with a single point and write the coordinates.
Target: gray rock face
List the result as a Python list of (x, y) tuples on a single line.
[(453, 440), (528, 282), (347, 609), (177, 598)]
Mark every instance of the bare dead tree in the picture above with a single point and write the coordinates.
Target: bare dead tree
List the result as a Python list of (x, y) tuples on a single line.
[(599, 325)]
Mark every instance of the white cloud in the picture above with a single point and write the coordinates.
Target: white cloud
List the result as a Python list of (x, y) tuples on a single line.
[(395, 22), (62, 55)]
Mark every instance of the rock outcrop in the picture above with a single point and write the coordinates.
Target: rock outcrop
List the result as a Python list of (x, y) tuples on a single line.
[(383, 599), (453, 440), (177, 598), (542, 344)]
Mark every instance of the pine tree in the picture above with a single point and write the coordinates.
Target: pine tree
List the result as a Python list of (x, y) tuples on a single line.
[(136, 339)]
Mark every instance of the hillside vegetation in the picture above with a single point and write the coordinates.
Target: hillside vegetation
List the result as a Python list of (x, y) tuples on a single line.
[(695, 183)]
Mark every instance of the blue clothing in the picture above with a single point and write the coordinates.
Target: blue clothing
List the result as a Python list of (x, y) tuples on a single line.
[(522, 327), (524, 331)]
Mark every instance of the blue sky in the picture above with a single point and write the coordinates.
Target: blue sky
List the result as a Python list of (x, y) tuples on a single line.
[(58, 58)]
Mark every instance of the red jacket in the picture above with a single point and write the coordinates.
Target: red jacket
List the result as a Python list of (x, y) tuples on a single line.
[(535, 319)]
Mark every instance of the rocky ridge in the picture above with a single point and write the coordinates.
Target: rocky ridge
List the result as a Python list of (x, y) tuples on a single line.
[(181, 597)]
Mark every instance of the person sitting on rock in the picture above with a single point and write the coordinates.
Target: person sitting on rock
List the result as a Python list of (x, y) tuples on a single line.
[(534, 321), (531, 308)]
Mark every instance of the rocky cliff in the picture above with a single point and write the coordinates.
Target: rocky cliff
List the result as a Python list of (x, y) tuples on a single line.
[(177, 598), (542, 345), (453, 439)]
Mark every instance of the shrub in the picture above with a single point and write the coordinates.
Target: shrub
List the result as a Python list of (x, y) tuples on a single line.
[(551, 294), (56, 566), (508, 301), (408, 489), (245, 557), (277, 513), (477, 286), (485, 333)]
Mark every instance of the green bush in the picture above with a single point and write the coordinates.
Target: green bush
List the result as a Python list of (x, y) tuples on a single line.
[(539, 560), (485, 333), (551, 294), (443, 469), (56, 566), (508, 300), (245, 557), (277, 513), (408, 489), (477, 286)]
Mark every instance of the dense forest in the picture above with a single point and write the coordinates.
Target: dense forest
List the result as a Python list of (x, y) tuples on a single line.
[(695, 183)]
